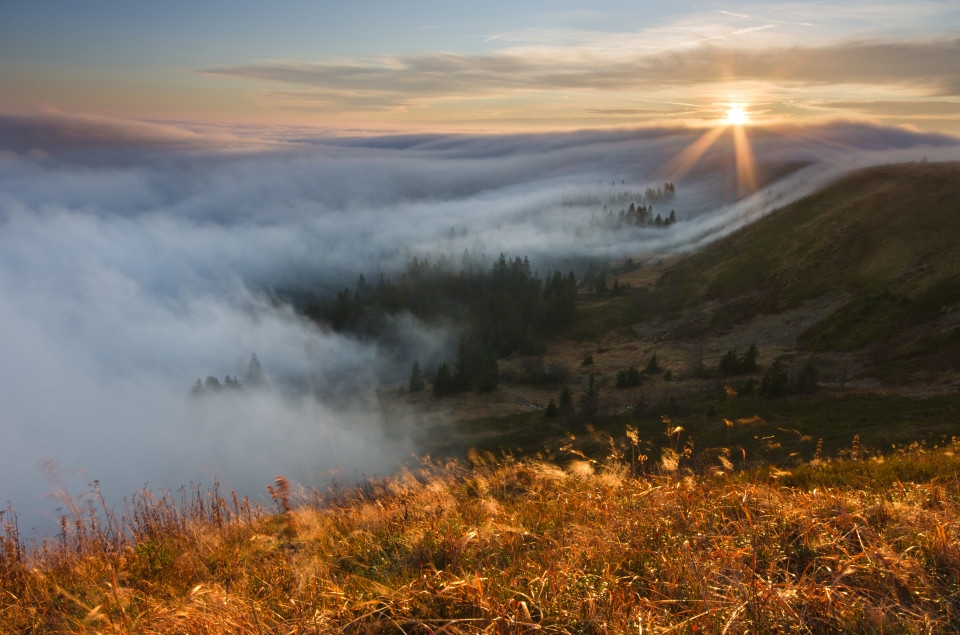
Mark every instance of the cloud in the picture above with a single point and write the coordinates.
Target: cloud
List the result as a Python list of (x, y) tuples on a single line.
[(126, 275), (640, 112), (926, 67), (54, 131), (912, 108)]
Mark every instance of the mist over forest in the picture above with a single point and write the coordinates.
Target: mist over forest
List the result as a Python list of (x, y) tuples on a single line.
[(136, 257)]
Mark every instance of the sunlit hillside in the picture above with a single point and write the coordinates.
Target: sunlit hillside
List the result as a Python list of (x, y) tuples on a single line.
[(878, 252)]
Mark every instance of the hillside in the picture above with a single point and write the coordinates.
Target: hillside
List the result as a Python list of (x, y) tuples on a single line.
[(858, 281), (878, 254)]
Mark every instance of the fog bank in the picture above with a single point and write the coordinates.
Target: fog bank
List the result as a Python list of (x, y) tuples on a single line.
[(137, 257)]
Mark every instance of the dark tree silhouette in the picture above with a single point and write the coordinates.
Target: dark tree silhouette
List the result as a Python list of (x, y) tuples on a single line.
[(416, 383), (443, 382)]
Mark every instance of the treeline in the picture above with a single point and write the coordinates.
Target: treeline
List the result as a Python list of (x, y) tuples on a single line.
[(638, 214), (777, 381), (212, 385), (505, 309)]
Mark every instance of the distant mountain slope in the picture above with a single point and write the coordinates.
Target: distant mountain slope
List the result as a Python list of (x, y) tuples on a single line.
[(884, 240)]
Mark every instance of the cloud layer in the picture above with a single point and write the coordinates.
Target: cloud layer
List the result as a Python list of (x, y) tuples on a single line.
[(135, 258), (930, 66)]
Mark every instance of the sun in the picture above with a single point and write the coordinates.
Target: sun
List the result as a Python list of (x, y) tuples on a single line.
[(736, 116), (734, 127)]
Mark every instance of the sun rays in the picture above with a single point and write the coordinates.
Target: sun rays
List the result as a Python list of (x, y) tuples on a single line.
[(736, 120)]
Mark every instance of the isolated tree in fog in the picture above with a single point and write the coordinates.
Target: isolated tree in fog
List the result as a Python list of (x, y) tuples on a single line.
[(254, 372), (416, 378)]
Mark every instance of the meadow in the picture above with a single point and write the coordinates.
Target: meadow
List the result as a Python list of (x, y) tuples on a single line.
[(856, 542)]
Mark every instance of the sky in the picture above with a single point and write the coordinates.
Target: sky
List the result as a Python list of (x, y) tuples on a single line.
[(374, 66)]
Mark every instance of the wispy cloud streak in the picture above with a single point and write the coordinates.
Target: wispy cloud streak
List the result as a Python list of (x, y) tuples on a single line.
[(927, 68)]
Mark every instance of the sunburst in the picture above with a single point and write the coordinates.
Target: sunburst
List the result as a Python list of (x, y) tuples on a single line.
[(736, 121), (737, 115)]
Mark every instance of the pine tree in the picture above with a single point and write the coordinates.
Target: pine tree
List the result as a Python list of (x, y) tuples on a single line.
[(489, 377), (565, 401), (652, 366), (730, 364), (774, 382), (416, 383), (254, 372), (749, 362), (443, 381), (551, 411)]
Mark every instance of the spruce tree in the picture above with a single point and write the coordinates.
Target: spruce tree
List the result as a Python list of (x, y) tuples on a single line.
[(416, 378), (443, 381), (254, 372), (749, 363), (653, 367), (489, 377), (590, 399), (565, 401)]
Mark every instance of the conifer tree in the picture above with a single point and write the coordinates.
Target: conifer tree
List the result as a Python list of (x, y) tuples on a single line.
[(489, 377), (443, 381), (565, 401), (416, 378), (254, 372)]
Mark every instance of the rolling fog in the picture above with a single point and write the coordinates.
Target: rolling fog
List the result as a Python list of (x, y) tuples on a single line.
[(136, 257)]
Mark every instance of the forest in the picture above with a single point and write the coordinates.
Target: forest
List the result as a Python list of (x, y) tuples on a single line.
[(504, 309)]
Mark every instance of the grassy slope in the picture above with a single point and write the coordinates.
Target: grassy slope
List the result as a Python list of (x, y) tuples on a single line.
[(888, 238), (508, 546)]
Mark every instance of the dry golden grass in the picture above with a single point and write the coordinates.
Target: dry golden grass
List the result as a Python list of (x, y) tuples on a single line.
[(515, 546)]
